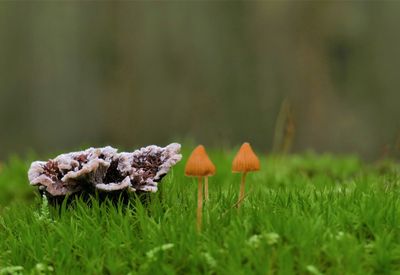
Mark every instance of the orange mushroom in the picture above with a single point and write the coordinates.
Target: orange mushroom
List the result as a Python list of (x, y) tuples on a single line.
[(245, 161), (199, 165)]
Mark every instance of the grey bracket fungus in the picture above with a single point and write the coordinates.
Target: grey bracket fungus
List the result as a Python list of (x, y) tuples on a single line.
[(104, 169)]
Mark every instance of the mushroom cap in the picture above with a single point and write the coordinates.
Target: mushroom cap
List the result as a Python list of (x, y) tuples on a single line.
[(199, 164), (245, 160)]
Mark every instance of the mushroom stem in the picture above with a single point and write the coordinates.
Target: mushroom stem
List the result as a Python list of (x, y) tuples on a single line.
[(242, 189), (199, 204), (206, 188)]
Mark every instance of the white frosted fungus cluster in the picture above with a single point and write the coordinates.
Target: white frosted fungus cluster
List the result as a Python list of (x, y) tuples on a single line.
[(104, 169)]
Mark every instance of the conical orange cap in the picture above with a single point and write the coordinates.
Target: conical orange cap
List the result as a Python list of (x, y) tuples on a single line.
[(245, 160), (199, 164)]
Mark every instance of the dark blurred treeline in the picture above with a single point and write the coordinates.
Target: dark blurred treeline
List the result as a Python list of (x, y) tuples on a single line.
[(133, 73)]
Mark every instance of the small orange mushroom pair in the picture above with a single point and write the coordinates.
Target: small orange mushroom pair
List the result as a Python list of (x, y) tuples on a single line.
[(199, 165)]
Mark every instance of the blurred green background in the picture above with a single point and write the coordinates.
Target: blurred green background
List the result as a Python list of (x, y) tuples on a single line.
[(134, 73)]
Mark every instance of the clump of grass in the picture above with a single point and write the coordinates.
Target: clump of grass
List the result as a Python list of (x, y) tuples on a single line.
[(306, 214)]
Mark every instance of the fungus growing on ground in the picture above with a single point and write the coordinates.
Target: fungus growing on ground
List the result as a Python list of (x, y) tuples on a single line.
[(104, 170), (245, 161), (199, 165)]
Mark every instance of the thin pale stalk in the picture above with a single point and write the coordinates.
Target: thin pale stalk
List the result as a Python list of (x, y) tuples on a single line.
[(206, 188), (199, 204), (242, 189)]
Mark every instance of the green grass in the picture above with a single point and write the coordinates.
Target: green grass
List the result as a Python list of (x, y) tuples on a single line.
[(304, 214)]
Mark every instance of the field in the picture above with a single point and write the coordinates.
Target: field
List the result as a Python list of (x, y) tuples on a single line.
[(304, 214)]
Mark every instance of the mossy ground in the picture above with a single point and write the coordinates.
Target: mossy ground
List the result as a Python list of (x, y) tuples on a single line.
[(304, 214)]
